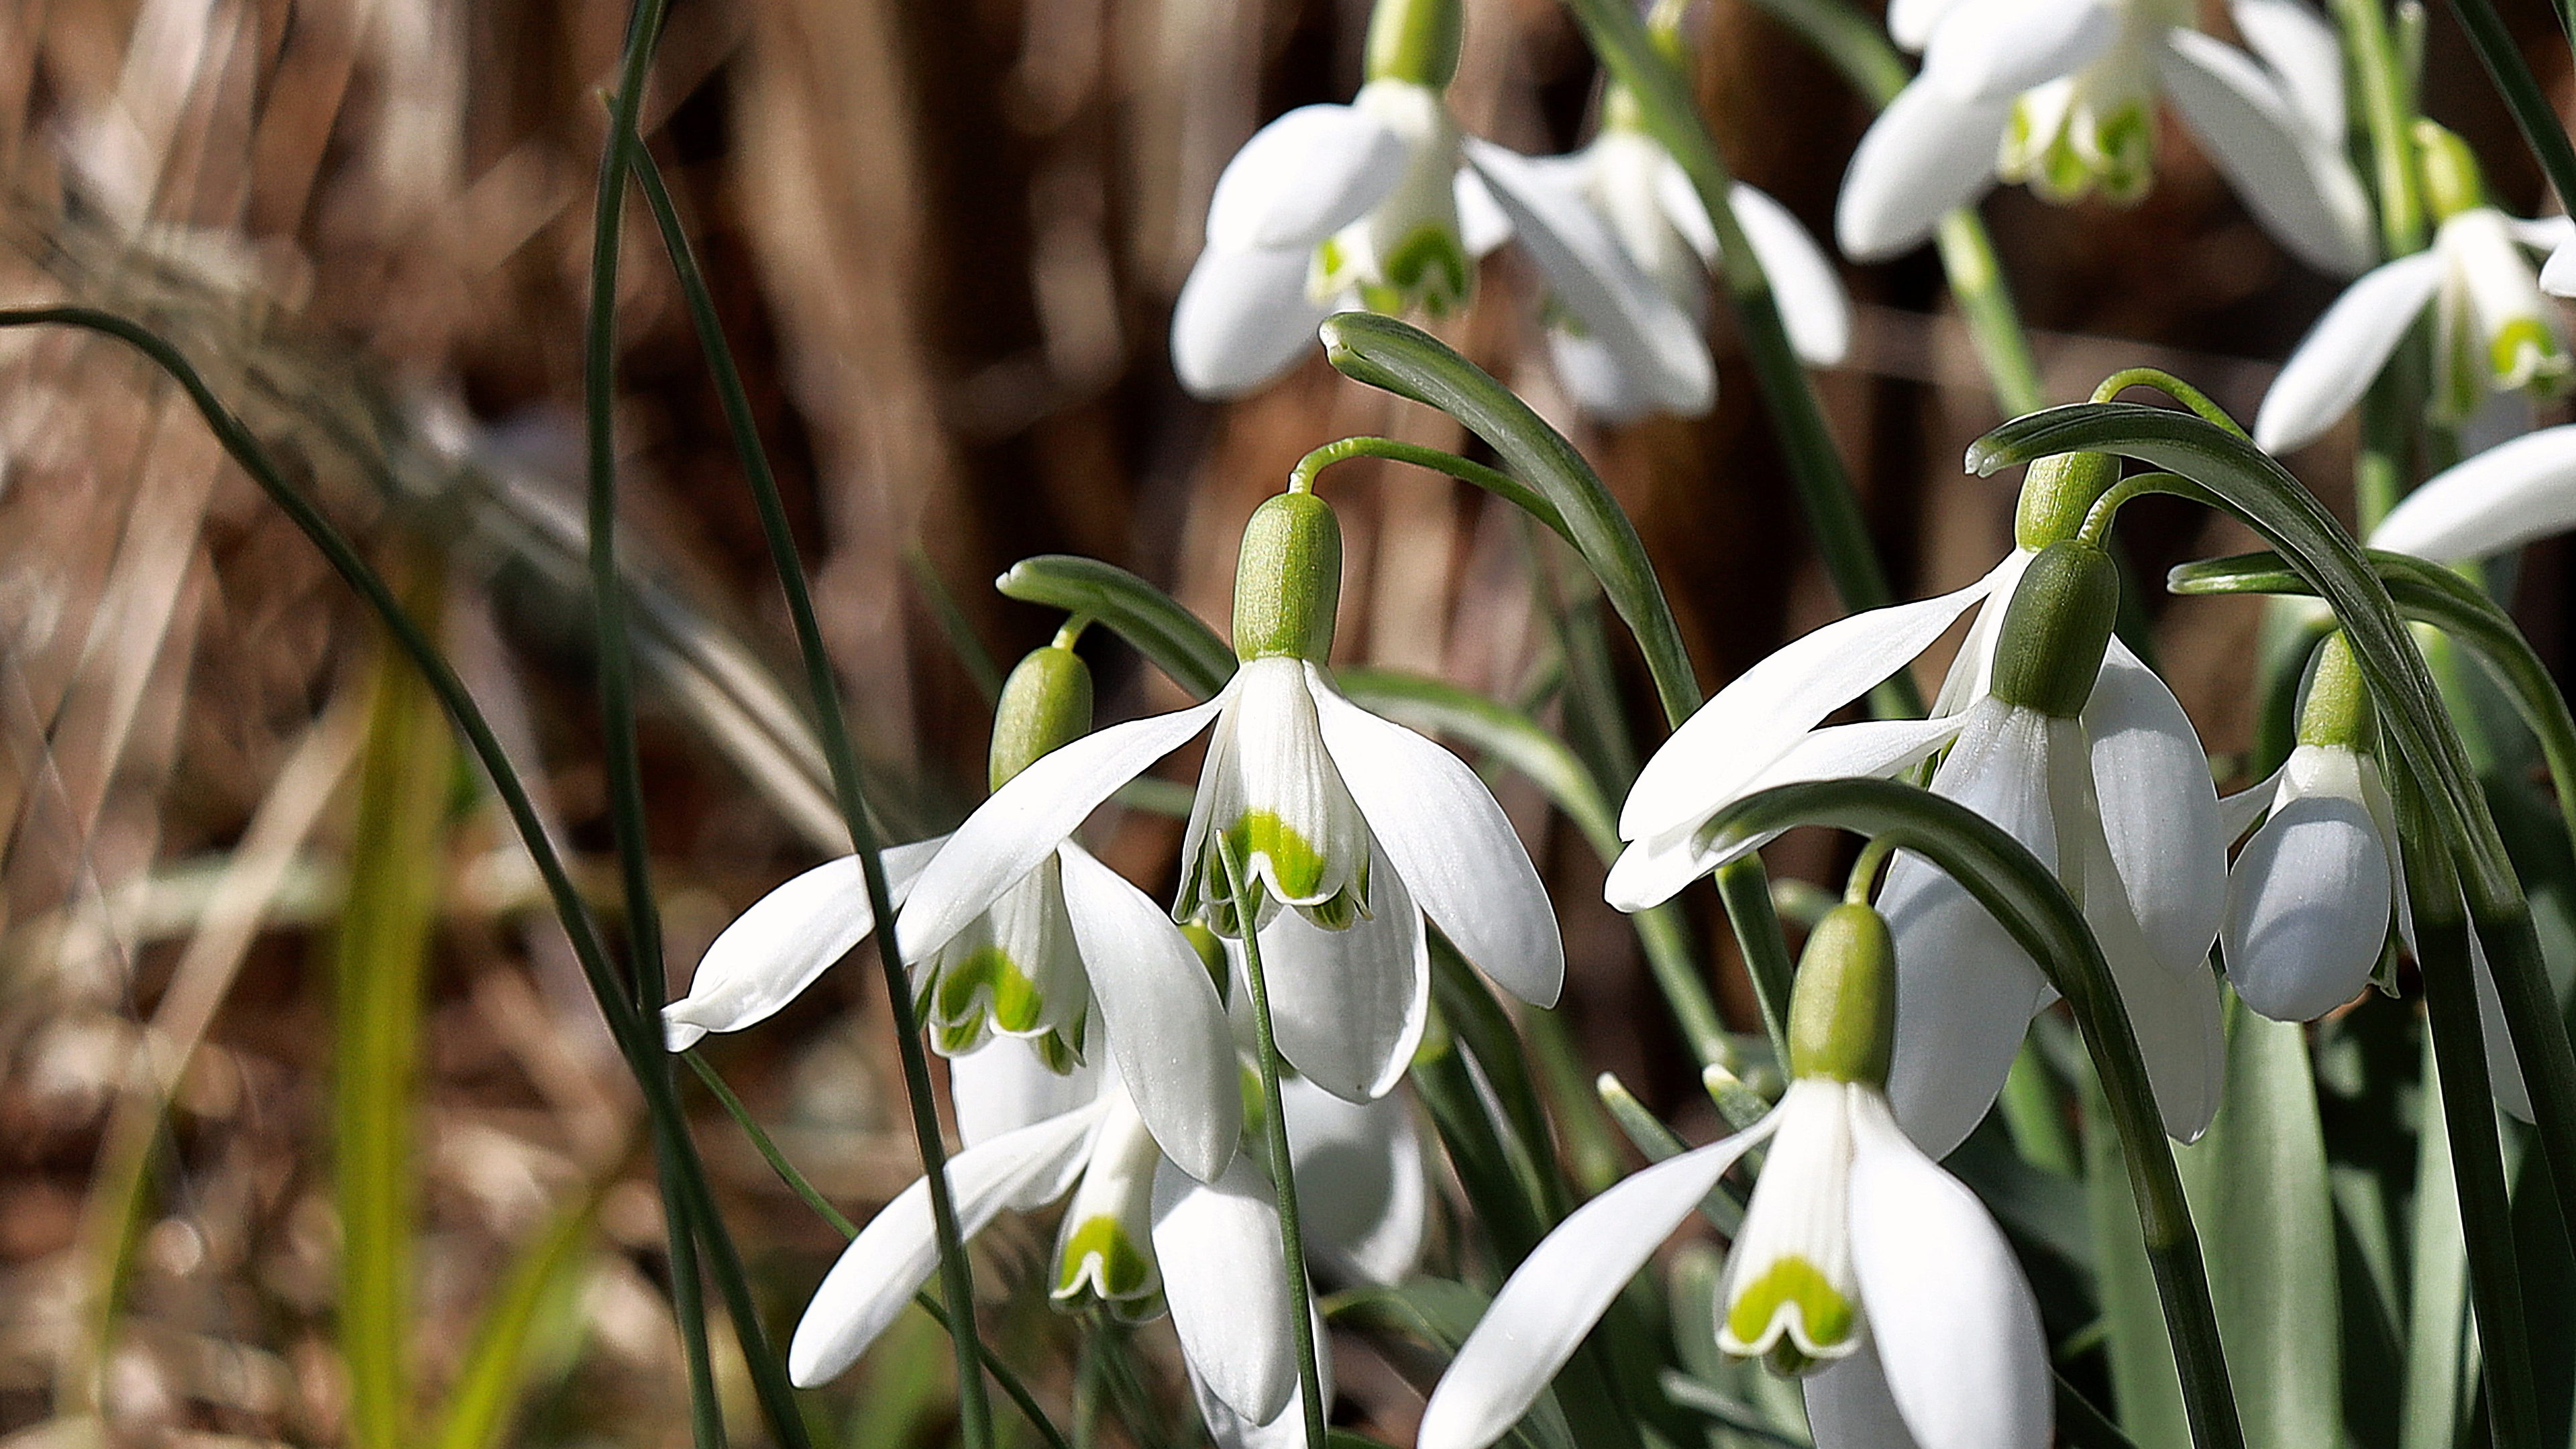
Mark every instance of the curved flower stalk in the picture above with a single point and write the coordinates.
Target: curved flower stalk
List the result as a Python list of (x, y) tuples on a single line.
[(1383, 204), (2498, 500), (2494, 332), (2086, 758), (1861, 1264), (1643, 201), (1140, 1236), (1029, 961), (1353, 827), (2060, 94)]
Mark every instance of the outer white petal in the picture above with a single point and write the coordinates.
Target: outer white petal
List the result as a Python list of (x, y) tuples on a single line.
[(1972, 670), (1003, 1086), (2504, 1068), (899, 1248), (1679, 201), (1989, 50), (1562, 1288), (2301, 187), (1167, 1030), (1363, 1200), (2558, 274), (1596, 280), (2501, 499), (1349, 1005), (1218, 1244), (1910, 22), (1954, 1326), (1925, 154), (1603, 386), (1482, 225), (773, 951), (1438, 825), (2238, 812), (1770, 707), (1029, 817), (1229, 1430), (1849, 1405), (2542, 233), (2308, 909), (2159, 810), (1302, 178), (2335, 363), (2175, 1014), (1243, 318), (1651, 871), (1812, 304), (2303, 51)]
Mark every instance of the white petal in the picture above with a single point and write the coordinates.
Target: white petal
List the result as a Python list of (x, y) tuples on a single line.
[(1438, 825), (1993, 50), (1598, 282), (2300, 186), (1302, 178), (1482, 225), (1600, 384), (1349, 1005), (2542, 233), (773, 951), (1218, 1244), (2302, 50), (1926, 154), (1955, 1328), (1910, 22), (1562, 1288), (2504, 1068), (1363, 1201), (1029, 817), (1243, 318), (1230, 1430), (2501, 499), (1849, 1405), (2558, 274), (2335, 363), (1004, 1086), (2238, 812), (1972, 670), (1679, 201), (1812, 304), (1166, 1028), (2309, 908), (2159, 810), (899, 1248), (2174, 1014), (1769, 708)]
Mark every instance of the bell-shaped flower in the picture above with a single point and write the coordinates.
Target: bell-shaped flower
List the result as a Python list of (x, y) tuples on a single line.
[(1139, 1236), (2091, 764), (1354, 826), (2061, 94), (2498, 500), (2494, 332), (1861, 1264)]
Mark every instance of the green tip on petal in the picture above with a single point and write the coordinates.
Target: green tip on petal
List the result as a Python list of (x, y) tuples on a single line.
[(1098, 1257), (1045, 705), (1288, 580), (1842, 1009), (1795, 1302), (2050, 648)]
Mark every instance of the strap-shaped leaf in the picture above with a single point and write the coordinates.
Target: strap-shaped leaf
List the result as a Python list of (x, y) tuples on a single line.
[(1178, 641)]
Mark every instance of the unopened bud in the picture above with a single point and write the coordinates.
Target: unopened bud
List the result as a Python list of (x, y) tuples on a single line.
[(1842, 1011), (2049, 650), (1046, 704), (1288, 580)]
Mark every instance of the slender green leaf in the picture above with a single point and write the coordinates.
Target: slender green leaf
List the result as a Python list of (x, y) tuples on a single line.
[(2440, 1350), (540, 1285)]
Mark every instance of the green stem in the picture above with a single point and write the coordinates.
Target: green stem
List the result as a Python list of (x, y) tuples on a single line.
[(1746, 889), (689, 1306), (638, 1039), (1503, 485), (2388, 116), (1274, 1127), (2521, 93), (956, 1273)]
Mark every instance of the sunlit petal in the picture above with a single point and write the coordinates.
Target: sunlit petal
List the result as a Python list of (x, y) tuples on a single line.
[(1243, 318), (1349, 1005), (1810, 295), (1363, 1201), (2308, 903), (773, 951), (1302, 178), (2159, 809), (2501, 499), (1993, 50), (2333, 366), (1219, 1248), (2300, 186), (1927, 153)]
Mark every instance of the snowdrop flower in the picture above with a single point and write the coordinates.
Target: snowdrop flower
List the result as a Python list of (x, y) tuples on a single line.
[(2061, 94), (2493, 330), (1383, 204), (1861, 1264), (1139, 1236), (2499, 500), (2311, 896), (1641, 196), (1352, 828), (1029, 960), (2057, 733)]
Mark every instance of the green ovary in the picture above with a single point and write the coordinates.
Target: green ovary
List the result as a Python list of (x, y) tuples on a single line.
[(1825, 1317), (1123, 1271)]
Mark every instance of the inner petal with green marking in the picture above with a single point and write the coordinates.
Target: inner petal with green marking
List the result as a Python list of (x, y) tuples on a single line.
[(1793, 1307)]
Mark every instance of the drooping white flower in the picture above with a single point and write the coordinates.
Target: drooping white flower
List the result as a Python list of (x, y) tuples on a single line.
[(1861, 1264), (2494, 332), (2109, 788), (2060, 94), (2498, 500), (1354, 825)]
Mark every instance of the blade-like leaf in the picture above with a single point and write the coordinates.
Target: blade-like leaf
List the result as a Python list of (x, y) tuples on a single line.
[(1178, 642)]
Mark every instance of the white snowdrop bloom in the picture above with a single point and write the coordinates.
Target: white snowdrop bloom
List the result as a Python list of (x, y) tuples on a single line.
[(1352, 828), (2496, 501), (2060, 94), (2099, 773), (1861, 1264), (2494, 331)]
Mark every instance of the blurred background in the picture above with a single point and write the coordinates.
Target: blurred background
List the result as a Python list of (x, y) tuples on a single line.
[(944, 240)]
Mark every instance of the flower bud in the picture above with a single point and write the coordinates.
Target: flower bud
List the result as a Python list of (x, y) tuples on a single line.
[(1415, 40), (1288, 580), (2050, 647), (2452, 182), (1046, 704), (2057, 492), (1842, 1012), (2337, 712)]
